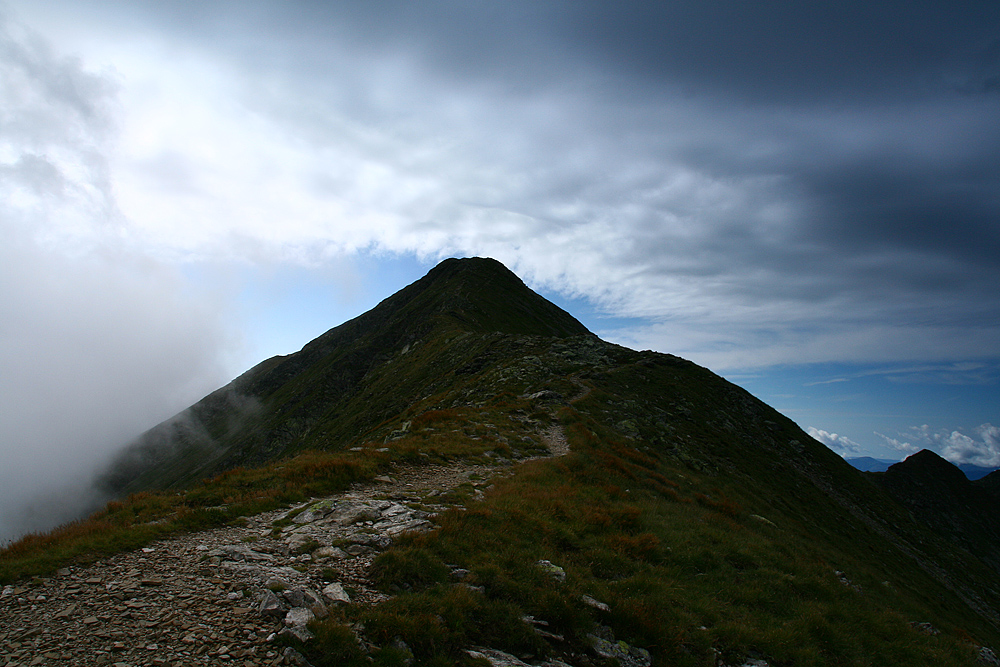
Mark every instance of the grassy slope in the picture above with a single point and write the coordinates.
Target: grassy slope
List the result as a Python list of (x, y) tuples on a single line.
[(700, 515), (708, 528)]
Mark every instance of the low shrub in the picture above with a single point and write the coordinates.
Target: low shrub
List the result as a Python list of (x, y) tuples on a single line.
[(407, 568)]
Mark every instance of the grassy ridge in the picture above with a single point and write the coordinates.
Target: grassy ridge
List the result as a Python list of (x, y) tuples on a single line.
[(689, 570), (701, 517)]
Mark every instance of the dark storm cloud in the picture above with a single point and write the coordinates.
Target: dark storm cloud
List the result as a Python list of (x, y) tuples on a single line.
[(777, 52), (944, 205), (781, 50), (882, 122), (751, 170), (795, 52)]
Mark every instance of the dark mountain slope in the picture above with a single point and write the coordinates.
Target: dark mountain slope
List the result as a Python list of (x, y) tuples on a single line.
[(990, 484), (939, 495), (350, 379)]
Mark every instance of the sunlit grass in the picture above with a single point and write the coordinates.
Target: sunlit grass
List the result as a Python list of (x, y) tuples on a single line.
[(144, 517)]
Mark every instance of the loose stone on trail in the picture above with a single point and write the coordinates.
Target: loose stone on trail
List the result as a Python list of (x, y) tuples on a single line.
[(223, 596)]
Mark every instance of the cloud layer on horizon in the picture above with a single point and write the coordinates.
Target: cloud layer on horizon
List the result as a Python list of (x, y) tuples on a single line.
[(982, 448)]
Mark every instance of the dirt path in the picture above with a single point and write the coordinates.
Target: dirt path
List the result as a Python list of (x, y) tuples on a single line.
[(201, 598), (583, 387)]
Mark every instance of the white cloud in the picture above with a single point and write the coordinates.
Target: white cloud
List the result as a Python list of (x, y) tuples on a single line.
[(838, 443), (56, 125), (982, 448), (97, 341), (821, 382), (899, 445)]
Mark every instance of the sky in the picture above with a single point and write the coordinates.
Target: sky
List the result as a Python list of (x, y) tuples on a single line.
[(802, 197)]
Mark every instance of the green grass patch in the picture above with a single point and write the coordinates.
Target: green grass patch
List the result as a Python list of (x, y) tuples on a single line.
[(407, 568)]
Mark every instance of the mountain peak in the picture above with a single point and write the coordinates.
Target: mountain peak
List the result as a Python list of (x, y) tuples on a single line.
[(482, 295), (351, 378), (927, 467), (471, 265), (476, 294)]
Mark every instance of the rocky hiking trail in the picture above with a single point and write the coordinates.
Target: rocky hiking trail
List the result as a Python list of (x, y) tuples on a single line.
[(222, 596)]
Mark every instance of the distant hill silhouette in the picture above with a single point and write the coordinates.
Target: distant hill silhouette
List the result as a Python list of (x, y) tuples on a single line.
[(939, 495), (869, 464)]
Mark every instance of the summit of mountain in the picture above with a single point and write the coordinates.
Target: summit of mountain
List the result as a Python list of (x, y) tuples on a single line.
[(928, 469), (472, 295)]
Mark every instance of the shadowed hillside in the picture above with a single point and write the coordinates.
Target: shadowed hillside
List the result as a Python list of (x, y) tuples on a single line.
[(940, 496)]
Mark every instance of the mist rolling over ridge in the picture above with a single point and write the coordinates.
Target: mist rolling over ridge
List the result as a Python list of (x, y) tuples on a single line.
[(93, 354)]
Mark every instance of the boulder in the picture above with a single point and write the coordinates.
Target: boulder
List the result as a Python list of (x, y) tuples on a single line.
[(271, 607), (336, 593), (298, 617), (298, 540), (352, 514), (988, 657), (329, 552), (596, 604), (497, 658), (554, 571), (306, 598), (239, 552), (625, 654)]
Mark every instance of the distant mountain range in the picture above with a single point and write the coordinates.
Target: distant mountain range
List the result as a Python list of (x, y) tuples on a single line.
[(869, 464), (689, 519)]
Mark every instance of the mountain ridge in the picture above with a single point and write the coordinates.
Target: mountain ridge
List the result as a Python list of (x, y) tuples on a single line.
[(456, 296), (711, 526)]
